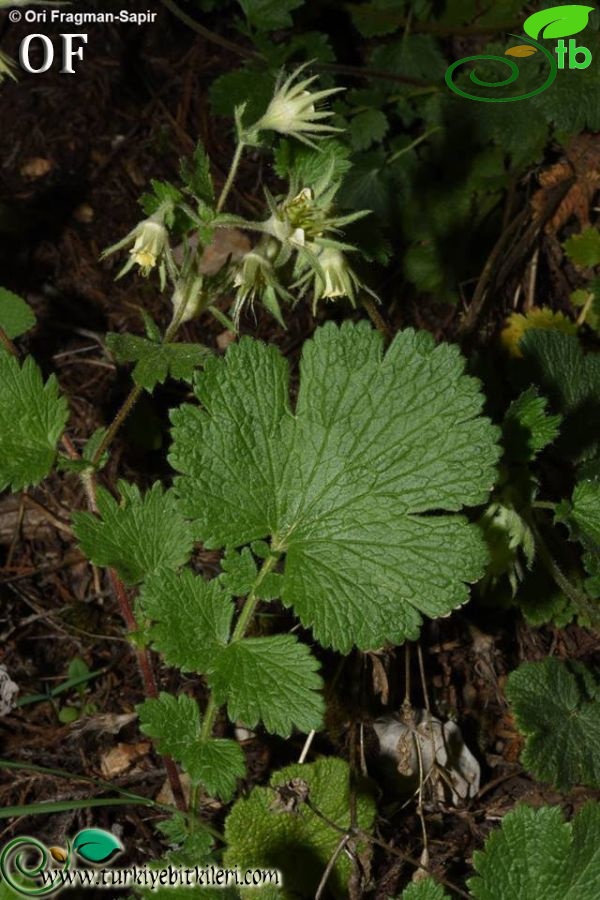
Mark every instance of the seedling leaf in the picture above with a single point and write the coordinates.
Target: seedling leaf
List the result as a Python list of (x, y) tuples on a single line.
[(137, 536), (557, 708), (32, 419), (343, 485)]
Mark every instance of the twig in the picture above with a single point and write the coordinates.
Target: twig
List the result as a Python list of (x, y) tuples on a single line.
[(329, 868), (206, 33), (306, 748)]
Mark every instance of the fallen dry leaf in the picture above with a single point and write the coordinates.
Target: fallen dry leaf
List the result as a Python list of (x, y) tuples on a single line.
[(122, 757), (36, 167), (582, 163)]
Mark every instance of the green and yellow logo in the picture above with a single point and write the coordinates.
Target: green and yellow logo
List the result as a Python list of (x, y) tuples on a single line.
[(25, 860), (558, 22)]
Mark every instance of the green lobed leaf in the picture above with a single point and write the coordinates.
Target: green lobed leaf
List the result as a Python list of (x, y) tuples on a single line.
[(557, 708), (584, 249), (239, 571), (528, 427), (343, 486), (537, 856), (268, 15), (253, 87), (269, 679), (155, 361), (16, 316), (582, 516), (307, 165), (33, 416), (268, 829), (571, 380), (197, 175), (175, 725), (138, 536), (428, 889), (191, 618), (368, 127)]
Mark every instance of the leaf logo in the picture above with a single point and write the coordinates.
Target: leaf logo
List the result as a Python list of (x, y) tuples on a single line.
[(95, 845), (562, 21), (522, 50)]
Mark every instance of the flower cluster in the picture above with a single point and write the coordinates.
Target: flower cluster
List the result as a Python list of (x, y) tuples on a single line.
[(299, 246)]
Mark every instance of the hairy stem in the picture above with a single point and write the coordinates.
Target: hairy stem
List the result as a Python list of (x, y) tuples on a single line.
[(252, 600), (235, 162), (245, 617), (577, 597), (129, 403)]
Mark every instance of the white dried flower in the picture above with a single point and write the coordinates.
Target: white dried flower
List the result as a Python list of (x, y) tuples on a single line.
[(256, 279), (335, 278), (293, 109), (150, 242)]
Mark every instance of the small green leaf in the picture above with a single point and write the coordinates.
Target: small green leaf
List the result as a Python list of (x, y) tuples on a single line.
[(16, 316), (272, 829), (270, 679), (137, 536), (175, 725), (155, 361), (191, 618), (535, 855), (96, 845), (197, 175), (33, 416), (368, 127), (239, 572), (268, 15), (584, 249), (571, 381), (558, 22), (557, 708), (528, 427)]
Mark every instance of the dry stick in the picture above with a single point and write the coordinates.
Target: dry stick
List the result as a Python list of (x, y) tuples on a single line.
[(329, 868), (365, 836), (124, 604), (206, 33)]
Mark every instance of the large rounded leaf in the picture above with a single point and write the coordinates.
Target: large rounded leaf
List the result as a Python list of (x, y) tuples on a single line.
[(358, 487)]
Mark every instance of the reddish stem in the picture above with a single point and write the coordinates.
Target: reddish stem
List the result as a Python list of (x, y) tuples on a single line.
[(147, 673)]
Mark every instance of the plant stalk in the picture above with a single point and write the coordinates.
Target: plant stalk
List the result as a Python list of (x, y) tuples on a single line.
[(235, 162)]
